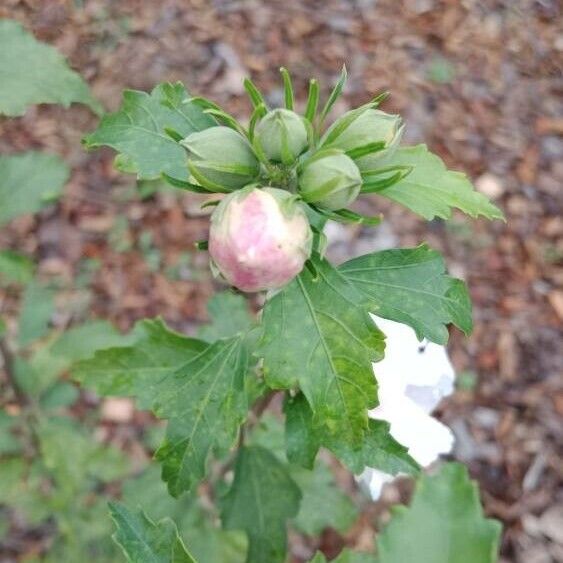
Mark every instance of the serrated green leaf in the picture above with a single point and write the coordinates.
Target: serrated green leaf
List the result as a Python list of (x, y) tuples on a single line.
[(36, 73), (206, 541), (323, 504), (15, 268), (431, 190), (261, 499), (137, 130), (301, 440), (199, 388), (28, 182), (317, 335), (143, 541), (229, 316), (138, 370), (37, 308), (410, 286), (379, 450), (205, 402), (443, 524), (81, 341)]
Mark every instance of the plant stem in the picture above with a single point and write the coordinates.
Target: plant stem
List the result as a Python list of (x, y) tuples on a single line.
[(26, 405), (8, 361)]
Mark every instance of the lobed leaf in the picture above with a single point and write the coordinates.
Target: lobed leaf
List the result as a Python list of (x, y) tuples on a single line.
[(205, 402), (137, 370), (410, 286), (138, 130), (261, 499), (36, 73), (378, 449), (143, 541), (317, 336), (199, 388), (323, 504), (431, 190), (443, 524), (229, 315), (28, 182)]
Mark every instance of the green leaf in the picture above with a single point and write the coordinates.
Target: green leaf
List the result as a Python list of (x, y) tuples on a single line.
[(36, 73), (15, 268), (318, 336), (205, 402), (379, 450), (143, 541), (137, 130), (80, 342), (261, 499), (37, 308), (323, 504), (199, 388), (410, 286), (229, 316), (198, 526), (29, 182), (139, 369), (301, 440), (431, 190), (444, 524)]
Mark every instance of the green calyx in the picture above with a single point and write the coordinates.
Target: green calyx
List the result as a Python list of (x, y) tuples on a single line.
[(366, 134), (330, 179), (220, 157), (282, 136)]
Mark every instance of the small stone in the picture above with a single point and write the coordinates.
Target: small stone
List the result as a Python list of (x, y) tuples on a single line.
[(117, 409), (551, 523), (490, 185)]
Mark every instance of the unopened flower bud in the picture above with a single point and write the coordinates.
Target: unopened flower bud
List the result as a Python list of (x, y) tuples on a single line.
[(260, 238), (332, 181), (371, 126), (220, 156), (282, 135)]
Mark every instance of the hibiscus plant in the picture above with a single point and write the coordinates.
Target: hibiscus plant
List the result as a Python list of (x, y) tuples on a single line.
[(342, 364), (313, 348)]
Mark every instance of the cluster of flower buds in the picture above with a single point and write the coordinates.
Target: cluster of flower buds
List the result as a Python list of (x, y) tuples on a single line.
[(279, 171)]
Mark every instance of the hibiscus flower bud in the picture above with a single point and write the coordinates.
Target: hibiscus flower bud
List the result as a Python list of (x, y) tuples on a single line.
[(282, 135), (331, 180), (371, 126), (259, 238), (221, 157)]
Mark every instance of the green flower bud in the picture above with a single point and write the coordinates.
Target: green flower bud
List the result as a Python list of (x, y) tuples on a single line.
[(370, 126), (220, 157), (331, 180), (282, 135)]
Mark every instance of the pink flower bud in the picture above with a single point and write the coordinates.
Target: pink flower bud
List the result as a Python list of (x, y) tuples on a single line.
[(259, 238)]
